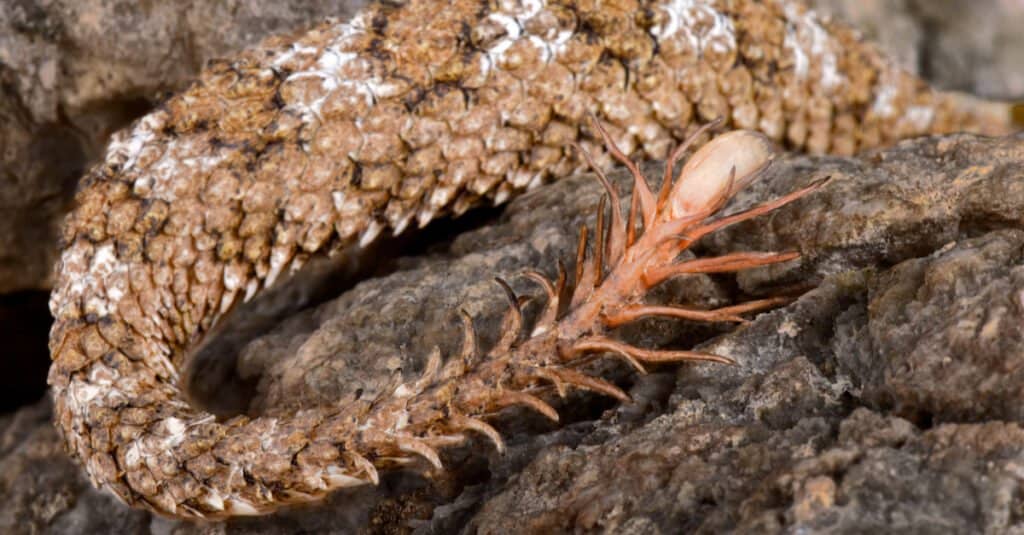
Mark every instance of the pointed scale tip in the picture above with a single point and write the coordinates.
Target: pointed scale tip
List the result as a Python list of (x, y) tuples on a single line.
[(470, 350), (418, 447), (511, 324), (482, 427)]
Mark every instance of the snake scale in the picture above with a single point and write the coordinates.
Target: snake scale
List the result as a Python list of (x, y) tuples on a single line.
[(322, 140)]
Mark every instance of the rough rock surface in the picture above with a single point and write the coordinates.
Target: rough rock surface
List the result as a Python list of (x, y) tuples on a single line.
[(885, 398)]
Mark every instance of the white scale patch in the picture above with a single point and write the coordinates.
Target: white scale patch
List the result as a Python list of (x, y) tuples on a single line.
[(104, 386), (100, 282), (920, 116), (160, 179), (174, 428), (682, 17), (331, 61), (127, 146), (808, 41), (885, 94), (885, 105)]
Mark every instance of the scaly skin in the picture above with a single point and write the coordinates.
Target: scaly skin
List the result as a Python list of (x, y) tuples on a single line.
[(404, 114)]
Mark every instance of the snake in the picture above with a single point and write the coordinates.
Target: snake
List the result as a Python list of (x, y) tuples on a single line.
[(322, 141)]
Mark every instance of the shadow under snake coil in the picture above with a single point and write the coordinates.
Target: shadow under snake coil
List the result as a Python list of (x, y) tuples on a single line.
[(319, 142)]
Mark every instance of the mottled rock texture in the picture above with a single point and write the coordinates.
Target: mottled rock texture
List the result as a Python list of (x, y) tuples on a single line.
[(885, 398)]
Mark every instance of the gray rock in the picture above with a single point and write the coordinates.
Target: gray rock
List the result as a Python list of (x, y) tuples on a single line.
[(963, 45), (827, 424), (946, 333), (44, 491), (972, 46)]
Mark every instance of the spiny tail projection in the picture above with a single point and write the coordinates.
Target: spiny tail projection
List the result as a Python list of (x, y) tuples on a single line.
[(184, 463), (313, 143)]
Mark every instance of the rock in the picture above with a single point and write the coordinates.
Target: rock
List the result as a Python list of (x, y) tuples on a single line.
[(44, 491), (949, 329), (885, 398), (806, 434), (955, 478), (36, 191), (972, 46), (960, 45), (884, 207)]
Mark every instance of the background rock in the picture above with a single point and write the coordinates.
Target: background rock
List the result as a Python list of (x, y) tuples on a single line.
[(962, 45)]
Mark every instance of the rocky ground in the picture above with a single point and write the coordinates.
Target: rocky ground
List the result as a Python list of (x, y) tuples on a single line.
[(886, 398)]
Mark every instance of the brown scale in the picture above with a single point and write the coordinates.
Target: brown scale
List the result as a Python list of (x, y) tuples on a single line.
[(314, 142)]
